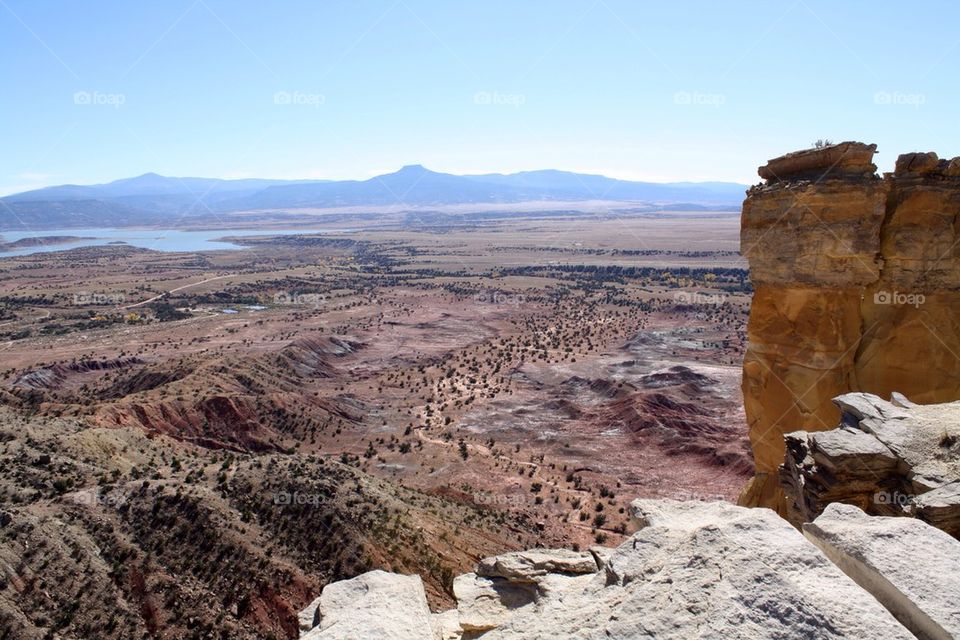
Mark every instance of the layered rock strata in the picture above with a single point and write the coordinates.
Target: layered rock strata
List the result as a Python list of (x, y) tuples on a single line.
[(693, 570), (857, 288), (892, 458)]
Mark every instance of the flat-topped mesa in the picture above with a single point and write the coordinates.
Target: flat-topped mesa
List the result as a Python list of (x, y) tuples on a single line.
[(856, 288), (850, 160)]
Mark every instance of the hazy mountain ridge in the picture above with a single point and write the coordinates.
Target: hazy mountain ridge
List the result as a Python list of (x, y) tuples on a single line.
[(148, 184), (146, 199)]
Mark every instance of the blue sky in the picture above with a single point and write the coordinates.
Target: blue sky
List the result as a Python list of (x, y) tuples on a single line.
[(662, 91)]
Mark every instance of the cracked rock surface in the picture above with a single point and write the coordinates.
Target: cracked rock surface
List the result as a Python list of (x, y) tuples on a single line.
[(693, 570)]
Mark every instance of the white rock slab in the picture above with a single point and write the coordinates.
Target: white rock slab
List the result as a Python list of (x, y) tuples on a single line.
[(706, 570), (913, 569), (377, 604)]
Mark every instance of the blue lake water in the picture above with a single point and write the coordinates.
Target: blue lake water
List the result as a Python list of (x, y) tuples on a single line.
[(156, 239)]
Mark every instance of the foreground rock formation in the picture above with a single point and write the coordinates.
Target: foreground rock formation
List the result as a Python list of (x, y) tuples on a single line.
[(373, 605), (857, 288), (913, 570), (693, 570), (888, 458)]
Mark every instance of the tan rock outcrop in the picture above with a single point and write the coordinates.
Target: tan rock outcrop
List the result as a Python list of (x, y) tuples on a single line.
[(856, 288), (846, 158), (888, 458)]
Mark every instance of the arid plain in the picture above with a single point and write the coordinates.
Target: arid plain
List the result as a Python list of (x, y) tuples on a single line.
[(495, 384)]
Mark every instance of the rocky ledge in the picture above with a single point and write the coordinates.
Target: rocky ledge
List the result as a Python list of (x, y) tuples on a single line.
[(847, 159), (692, 570), (892, 458)]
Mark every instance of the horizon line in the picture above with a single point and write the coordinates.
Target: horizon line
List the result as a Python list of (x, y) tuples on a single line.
[(230, 177)]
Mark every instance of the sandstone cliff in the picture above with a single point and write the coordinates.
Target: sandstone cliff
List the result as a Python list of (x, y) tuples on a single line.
[(857, 288), (693, 570)]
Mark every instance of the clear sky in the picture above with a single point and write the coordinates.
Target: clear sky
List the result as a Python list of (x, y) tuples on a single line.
[(662, 91)]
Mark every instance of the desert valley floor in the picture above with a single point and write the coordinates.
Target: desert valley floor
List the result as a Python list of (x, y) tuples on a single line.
[(249, 424)]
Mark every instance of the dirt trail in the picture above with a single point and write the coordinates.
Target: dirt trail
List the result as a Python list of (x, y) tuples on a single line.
[(174, 290)]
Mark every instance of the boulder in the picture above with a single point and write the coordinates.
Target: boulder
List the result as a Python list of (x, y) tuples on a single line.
[(844, 158), (528, 566), (916, 162), (911, 568), (446, 625), (953, 168), (505, 586), (852, 453), (486, 603), (377, 604), (940, 507)]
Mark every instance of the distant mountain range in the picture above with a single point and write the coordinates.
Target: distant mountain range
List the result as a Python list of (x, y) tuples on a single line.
[(152, 198)]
